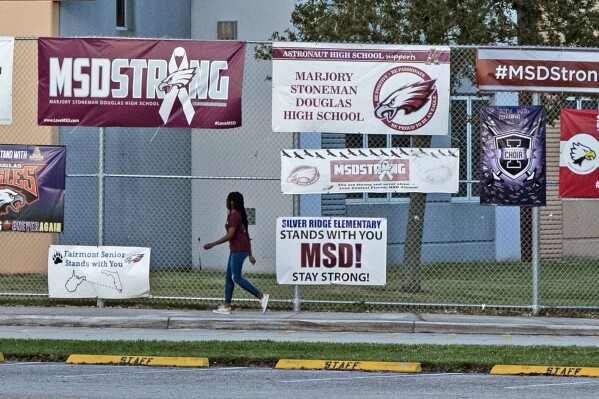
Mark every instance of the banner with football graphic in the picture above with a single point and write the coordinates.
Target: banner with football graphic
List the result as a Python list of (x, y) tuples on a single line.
[(579, 146), (32, 185), (383, 170), (360, 88), (140, 83), (512, 155)]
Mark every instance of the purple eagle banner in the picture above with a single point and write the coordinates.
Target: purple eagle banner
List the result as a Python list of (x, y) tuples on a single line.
[(512, 156), (32, 181), (140, 83)]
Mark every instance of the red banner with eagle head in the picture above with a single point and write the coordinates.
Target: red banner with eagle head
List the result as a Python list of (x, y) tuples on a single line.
[(360, 88), (579, 146)]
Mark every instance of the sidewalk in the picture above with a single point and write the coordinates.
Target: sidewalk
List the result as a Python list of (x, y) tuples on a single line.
[(91, 317)]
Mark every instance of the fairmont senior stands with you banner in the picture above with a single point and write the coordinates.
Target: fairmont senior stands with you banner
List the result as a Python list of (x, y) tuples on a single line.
[(107, 272), (383, 170), (32, 185), (7, 46), (140, 83), (322, 251), (512, 156), (579, 146), (360, 88)]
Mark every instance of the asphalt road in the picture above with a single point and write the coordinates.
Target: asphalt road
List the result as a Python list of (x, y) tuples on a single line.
[(59, 380)]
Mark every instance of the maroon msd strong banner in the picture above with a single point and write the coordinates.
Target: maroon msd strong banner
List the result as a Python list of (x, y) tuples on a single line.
[(140, 83)]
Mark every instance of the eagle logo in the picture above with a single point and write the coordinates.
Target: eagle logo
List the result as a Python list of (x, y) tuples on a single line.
[(178, 79), (410, 98), (303, 175), (10, 200), (580, 153), (134, 258)]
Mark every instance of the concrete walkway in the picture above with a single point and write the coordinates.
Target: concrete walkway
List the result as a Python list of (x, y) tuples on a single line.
[(91, 317)]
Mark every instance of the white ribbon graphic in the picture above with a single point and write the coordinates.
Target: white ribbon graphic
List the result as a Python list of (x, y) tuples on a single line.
[(385, 169), (175, 86)]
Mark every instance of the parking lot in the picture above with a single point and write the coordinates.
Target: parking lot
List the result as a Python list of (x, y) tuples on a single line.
[(59, 380)]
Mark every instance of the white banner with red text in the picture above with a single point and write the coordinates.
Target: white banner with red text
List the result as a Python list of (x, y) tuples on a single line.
[(323, 251), (383, 170), (7, 46), (537, 70), (105, 272), (360, 88)]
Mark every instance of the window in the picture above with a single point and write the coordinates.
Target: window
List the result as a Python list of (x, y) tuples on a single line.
[(582, 103), (226, 30), (251, 214), (465, 135), (121, 14)]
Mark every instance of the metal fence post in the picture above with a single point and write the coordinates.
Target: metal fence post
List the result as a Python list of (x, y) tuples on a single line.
[(296, 212), (535, 244), (100, 301)]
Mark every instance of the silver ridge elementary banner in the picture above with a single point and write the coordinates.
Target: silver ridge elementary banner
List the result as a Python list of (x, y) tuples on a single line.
[(140, 83), (579, 146), (360, 88), (7, 46), (324, 251), (98, 272), (395, 170), (537, 70), (512, 156), (32, 184)]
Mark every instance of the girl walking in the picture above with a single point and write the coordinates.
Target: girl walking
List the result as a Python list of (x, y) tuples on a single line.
[(240, 247)]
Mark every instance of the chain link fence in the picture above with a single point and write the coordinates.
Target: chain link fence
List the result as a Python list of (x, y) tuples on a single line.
[(166, 189)]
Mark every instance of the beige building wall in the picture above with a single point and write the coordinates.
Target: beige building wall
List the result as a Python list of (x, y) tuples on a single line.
[(25, 253), (552, 216), (567, 228)]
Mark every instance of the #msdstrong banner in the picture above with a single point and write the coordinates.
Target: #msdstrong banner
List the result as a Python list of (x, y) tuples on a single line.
[(140, 83), (32, 182), (316, 251), (98, 272), (579, 146), (7, 45), (359, 88), (383, 170), (512, 156)]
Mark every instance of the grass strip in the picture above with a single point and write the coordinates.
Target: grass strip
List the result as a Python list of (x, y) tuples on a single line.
[(446, 358)]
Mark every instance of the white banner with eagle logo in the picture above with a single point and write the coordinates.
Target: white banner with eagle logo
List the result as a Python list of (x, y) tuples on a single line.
[(7, 45), (357, 170), (360, 88), (105, 272)]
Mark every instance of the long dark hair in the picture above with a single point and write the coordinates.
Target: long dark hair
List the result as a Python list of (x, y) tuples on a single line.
[(239, 206)]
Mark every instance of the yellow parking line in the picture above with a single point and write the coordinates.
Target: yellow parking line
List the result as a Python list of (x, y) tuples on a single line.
[(348, 365), (139, 360), (563, 371)]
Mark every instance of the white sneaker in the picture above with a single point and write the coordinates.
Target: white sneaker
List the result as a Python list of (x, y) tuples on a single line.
[(222, 310), (264, 302)]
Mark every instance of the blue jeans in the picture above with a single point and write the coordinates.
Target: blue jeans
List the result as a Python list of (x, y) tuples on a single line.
[(233, 276)]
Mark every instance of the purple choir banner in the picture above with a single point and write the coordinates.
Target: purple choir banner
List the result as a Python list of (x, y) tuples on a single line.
[(32, 180), (140, 83), (512, 155)]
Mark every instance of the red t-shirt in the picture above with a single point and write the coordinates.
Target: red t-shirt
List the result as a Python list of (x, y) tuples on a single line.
[(240, 242)]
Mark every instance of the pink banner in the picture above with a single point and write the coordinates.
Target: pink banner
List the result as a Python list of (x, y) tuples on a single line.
[(579, 145), (140, 83)]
